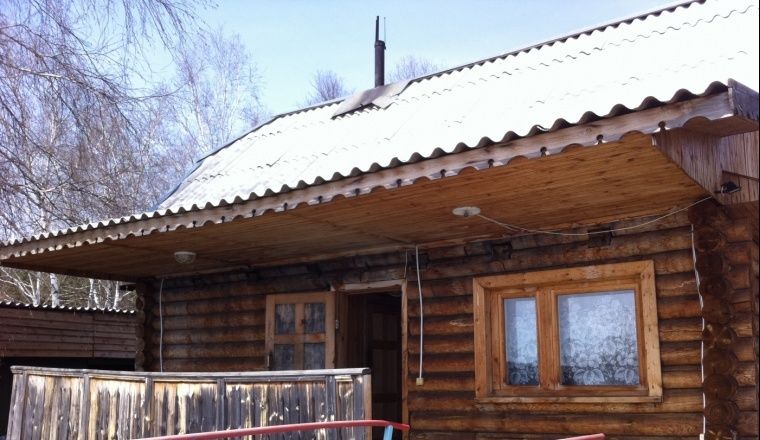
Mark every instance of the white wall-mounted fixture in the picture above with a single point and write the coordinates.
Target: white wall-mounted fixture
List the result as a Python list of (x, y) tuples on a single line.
[(466, 211), (184, 257)]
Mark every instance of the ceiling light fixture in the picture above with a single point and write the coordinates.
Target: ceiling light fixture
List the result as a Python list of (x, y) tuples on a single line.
[(184, 257), (466, 211)]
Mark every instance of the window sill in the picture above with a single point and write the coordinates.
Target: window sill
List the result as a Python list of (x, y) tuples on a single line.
[(567, 399)]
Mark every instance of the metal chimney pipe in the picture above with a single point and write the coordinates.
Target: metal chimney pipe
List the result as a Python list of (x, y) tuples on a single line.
[(379, 56)]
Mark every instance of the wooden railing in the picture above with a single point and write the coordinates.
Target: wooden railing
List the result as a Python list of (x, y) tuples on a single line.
[(88, 404)]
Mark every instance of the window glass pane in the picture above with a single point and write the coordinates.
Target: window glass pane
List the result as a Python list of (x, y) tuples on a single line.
[(284, 319), (598, 338), (283, 356), (313, 356), (314, 317), (521, 341)]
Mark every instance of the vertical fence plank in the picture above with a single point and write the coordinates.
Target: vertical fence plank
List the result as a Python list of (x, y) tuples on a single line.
[(84, 408), (18, 397)]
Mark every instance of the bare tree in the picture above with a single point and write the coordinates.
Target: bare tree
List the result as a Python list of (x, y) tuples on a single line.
[(74, 132), (326, 86), (218, 95), (410, 67)]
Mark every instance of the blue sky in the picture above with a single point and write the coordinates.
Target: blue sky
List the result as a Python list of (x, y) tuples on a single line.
[(290, 40)]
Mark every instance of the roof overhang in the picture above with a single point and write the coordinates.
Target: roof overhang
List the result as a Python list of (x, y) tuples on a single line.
[(581, 175)]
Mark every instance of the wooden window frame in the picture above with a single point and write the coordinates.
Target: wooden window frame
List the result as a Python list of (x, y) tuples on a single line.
[(299, 338), (545, 286)]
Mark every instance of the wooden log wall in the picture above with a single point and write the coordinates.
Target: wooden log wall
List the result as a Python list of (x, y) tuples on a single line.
[(215, 323), (725, 307), (35, 332)]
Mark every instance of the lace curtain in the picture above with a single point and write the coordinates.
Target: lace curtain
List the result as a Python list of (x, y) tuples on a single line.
[(598, 338), (597, 332)]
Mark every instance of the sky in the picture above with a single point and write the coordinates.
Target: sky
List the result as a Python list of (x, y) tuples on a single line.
[(291, 39)]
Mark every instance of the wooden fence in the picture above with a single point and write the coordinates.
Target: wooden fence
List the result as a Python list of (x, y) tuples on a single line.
[(92, 404)]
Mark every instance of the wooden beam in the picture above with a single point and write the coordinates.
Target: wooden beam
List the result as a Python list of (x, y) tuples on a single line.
[(712, 161)]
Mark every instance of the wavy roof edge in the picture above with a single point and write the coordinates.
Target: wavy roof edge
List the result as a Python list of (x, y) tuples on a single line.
[(522, 49), (46, 307), (649, 102)]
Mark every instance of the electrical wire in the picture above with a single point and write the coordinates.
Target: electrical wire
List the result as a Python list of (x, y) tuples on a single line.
[(583, 234), (701, 306), (422, 314), (161, 326)]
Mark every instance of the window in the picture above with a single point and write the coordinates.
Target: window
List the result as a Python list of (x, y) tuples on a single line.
[(585, 334), (300, 331)]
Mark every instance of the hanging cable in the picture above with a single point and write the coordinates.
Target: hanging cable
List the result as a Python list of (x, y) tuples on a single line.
[(701, 306), (516, 228), (161, 326), (420, 380)]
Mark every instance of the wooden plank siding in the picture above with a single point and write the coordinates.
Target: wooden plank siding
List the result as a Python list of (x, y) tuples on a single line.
[(216, 323), (93, 405), (31, 332)]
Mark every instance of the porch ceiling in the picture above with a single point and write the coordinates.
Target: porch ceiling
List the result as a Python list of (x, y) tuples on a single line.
[(580, 186)]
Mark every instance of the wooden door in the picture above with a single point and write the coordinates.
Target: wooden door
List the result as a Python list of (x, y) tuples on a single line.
[(374, 341), (300, 331)]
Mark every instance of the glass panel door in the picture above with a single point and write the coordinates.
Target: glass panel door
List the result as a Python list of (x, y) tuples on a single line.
[(300, 331)]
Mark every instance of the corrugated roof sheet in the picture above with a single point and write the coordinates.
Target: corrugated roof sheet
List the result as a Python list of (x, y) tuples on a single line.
[(565, 82), (20, 305), (665, 56)]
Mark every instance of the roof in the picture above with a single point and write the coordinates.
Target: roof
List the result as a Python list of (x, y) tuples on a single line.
[(667, 56), (512, 95)]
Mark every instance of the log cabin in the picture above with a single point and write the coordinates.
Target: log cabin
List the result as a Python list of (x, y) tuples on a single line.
[(558, 240)]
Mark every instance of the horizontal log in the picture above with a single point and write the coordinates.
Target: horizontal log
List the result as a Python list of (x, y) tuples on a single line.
[(449, 306), (253, 303), (211, 365), (447, 287), (682, 377), (209, 321), (202, 336), (444, 363), (744, 349), (681, 353), (92, 327), (746, 398), (448, 325), (443, 382), (747, 425), (626, 424), (440, 345), (679, 307), (679, 330), (745, 374), (218, 350), (675, 284), (678, 401)]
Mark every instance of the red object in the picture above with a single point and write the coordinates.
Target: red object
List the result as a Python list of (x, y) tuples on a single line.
[(214, 435), (586, 437)]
